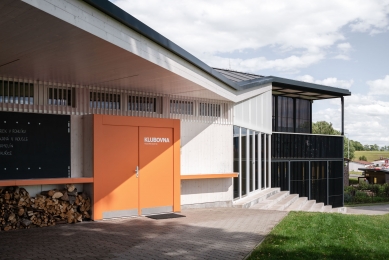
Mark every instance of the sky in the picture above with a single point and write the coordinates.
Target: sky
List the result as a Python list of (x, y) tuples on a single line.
[(335, 43)]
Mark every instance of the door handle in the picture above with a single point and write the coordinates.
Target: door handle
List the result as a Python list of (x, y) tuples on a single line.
[(137, 171)]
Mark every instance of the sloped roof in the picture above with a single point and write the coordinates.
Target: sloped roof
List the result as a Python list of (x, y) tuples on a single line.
[(362, 162), (239, 81)]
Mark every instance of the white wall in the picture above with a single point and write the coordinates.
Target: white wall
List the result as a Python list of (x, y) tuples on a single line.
[(206, 148), (255, 113), (206, 191), (76, 146), (353, 166), (33, 190)]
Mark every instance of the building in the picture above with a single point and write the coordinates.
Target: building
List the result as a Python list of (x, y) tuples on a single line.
[(355, 165), (90, 95)]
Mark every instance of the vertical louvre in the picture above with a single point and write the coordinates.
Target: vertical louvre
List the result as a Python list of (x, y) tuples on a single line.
[(21, 95)]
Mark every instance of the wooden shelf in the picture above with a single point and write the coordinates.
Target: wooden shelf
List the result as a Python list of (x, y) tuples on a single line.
[(209, 176), (45, 181)]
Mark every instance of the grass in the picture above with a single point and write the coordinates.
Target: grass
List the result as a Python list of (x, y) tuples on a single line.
[(355, 173), (371, 155), (305, 235)]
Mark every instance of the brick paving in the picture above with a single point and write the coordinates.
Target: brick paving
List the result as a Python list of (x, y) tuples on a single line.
[(215, 233)]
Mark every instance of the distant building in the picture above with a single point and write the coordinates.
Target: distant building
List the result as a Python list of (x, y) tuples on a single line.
[(355, 165)]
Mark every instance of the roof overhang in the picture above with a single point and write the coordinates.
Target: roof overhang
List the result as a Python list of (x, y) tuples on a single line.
[(39, 44), (45, 41)]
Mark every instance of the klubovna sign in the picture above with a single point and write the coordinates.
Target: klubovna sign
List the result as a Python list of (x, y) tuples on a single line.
[(156, 140)]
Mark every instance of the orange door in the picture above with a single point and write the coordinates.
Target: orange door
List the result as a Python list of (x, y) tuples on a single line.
[(156, 170), (118, 193)]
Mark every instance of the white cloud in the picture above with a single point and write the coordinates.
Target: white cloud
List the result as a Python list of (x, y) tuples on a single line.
[(379, 87), (344, 47), (333, 82), (260, 63), (366, 117), (363, 122), (342, 57), (300, 32)]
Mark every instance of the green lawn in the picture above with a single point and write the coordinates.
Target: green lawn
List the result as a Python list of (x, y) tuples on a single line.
[(355, 173), (371, 155), (304, 235)]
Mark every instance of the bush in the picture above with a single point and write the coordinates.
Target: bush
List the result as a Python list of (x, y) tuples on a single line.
[(353, 181), (375, 188), (385, 189), (348, 198), (362, 197), (363, 186)]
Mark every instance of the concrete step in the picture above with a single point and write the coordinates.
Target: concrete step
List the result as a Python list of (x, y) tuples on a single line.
[(255, 198), (317, 207), (270, 201), (308, 205), (327, 208), (298, 204), (339, 210), (285, 202)]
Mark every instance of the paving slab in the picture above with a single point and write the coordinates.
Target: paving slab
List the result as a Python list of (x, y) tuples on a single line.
[(209, 233)]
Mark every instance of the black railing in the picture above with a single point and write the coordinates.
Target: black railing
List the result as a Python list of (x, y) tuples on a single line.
[(309, 165)]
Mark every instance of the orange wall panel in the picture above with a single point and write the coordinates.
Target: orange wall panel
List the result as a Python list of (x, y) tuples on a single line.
[(156, 167), (114, 156)]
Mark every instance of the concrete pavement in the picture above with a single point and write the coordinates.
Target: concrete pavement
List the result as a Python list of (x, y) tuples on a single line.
[(215, 233), (369, 210)]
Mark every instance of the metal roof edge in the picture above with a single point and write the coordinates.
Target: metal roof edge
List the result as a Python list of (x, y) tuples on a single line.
[(301, 84)]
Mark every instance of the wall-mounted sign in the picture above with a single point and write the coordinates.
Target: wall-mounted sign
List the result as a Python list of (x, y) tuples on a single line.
[(156, 140), (34, 146)]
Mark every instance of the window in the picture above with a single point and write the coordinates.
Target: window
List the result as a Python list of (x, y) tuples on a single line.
[(291, 115), (285, 114), (303, 116), (16, 92), (181, 107), (62, 97), (104, 100), (207, 109), (138, 103)]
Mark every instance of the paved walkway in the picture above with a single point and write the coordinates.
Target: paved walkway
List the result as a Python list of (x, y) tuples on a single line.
[(216, 233), (369, 210)]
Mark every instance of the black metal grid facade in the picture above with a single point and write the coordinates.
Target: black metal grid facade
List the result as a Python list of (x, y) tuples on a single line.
[(309, 165)]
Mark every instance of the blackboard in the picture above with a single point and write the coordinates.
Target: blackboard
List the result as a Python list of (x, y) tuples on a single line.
[(34, 146)]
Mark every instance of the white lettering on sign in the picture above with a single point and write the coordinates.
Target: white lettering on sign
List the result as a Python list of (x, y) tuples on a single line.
[(156, 140), (5, 152)]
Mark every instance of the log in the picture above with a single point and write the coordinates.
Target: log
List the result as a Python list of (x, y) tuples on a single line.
[(48, 208), (65, 196), (70, 187), (57, 195), (25, 222)]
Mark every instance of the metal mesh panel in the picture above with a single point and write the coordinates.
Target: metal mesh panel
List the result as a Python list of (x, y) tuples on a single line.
[(300, 146), (280, 175), (299, 178)]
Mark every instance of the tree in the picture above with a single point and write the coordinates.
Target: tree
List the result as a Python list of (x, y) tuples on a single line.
[(348, 153), (357, 145), (324, 128)]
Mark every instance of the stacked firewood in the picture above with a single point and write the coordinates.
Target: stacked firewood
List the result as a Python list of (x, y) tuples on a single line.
[(19, 210)]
